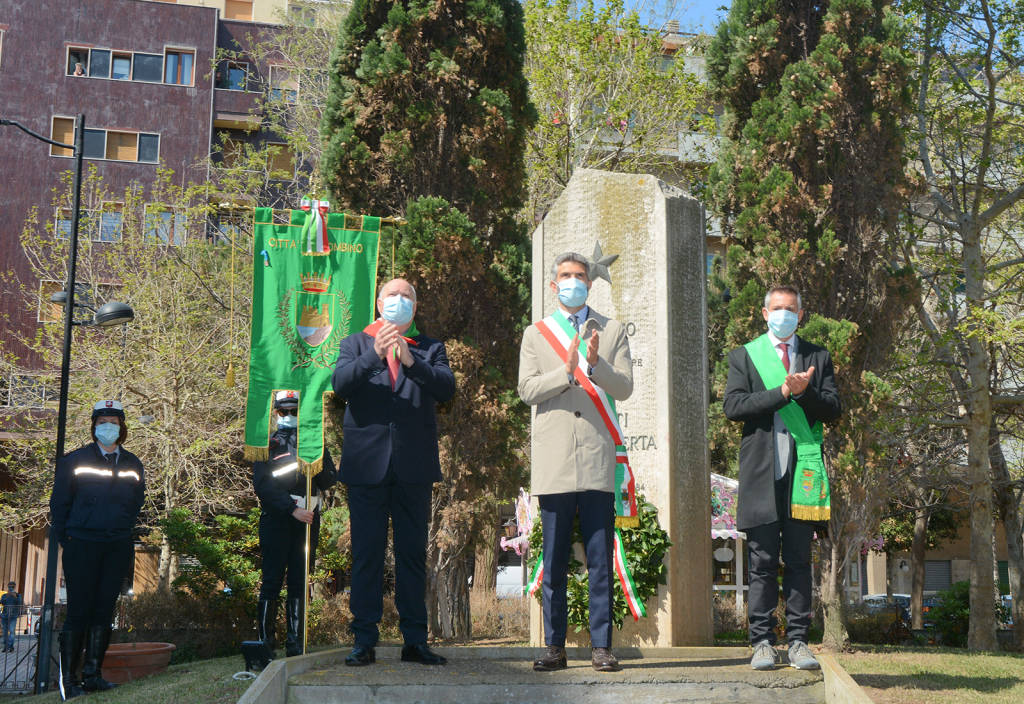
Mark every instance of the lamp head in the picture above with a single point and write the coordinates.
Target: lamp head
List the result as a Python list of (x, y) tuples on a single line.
[(114, 313)]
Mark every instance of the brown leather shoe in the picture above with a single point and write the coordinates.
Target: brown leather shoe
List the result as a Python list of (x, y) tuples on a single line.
[(553, 659), (603, 660)]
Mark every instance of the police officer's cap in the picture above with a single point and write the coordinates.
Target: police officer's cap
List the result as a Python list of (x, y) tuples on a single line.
[(108, 408), (286, 399)]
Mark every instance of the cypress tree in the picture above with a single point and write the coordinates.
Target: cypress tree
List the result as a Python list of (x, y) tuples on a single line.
[(809, 183), (428, 98)]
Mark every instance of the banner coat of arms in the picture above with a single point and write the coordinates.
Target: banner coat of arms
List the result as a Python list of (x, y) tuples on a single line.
[(308, 293)]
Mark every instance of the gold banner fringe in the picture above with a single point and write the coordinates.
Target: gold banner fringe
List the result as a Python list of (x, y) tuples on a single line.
[(627, 521), (811, 513), (311, 468), (256, 454)]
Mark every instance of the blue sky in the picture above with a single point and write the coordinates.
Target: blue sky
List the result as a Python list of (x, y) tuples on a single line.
[(701, 15)]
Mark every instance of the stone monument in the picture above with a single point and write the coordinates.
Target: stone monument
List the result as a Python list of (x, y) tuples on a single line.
[(658, 292)]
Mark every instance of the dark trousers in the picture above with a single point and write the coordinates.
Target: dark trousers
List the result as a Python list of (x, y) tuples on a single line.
[(596, 510), (791, 539), (93, 573), (283, 546), (9, 624), (408, 508)]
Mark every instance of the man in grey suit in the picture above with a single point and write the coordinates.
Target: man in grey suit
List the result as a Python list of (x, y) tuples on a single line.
[(573, 452), (767, 462)]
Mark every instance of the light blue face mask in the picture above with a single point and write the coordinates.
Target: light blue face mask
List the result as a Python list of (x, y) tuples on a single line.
[(397, 309), (782, 323), (572, 292), (288, 421), (107, 433)]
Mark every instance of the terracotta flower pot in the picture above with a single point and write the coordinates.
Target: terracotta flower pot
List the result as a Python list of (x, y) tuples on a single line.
[(124, 662)]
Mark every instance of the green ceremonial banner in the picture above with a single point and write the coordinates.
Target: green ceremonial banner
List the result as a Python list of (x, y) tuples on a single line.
[(312, 286)]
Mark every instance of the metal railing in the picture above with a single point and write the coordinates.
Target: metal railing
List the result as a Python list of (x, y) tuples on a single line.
[(18, 659)]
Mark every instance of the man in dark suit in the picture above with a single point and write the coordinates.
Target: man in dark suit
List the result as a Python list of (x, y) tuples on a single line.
[(767, 461), (392, 377)]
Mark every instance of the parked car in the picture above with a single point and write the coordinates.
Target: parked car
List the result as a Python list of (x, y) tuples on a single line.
[(1006, 600), (879, 602)]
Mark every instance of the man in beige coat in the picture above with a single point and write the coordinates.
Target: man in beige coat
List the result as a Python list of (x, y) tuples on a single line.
[(573, 452)]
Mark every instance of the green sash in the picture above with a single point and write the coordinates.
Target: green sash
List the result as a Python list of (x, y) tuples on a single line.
[(810, 500)]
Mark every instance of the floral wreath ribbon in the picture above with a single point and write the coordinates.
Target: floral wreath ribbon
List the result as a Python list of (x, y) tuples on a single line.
[(559, 332), (314, 230)]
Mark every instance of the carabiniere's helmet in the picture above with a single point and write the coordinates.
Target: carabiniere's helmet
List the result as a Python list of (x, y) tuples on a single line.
[(286, 399)]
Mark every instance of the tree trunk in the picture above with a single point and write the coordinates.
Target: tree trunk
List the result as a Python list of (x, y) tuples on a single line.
[(981, 633), (833, 601), (485, 567), (917, 552), (167, 569), (1008, 503), (454, 620)]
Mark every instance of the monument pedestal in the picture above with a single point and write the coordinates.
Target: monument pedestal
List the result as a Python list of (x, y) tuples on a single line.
[(658, 292)]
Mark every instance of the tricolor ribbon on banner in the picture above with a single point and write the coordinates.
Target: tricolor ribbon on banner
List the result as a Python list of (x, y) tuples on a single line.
[(537, 576), (314, 231)]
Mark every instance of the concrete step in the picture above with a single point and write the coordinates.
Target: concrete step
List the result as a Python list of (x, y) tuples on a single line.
[(481, 675)]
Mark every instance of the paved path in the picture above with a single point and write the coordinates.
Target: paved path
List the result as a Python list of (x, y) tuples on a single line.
[(494, 675)]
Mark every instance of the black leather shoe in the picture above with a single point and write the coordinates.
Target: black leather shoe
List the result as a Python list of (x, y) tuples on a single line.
[(553, 659), (360, 656), (421, 653), (603, 660)]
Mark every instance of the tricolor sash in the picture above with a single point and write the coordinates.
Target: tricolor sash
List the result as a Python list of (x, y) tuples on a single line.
[(314, 231), (810, 499), (559, 332)]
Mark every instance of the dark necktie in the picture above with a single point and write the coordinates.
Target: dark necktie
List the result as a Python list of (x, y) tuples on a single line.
[(785, 354), (575, 322)]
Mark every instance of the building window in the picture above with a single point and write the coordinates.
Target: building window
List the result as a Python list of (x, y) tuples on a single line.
[(281, 162), (121, 67), (62, 129), (148, 68), (168, 226), (283, 84), (302, 13), (232, 75), (78, 61), (99, 63), (111, 145), (26, 391), (238, 10), (178, 67), (229, 225), (49, 312), (102, 224)]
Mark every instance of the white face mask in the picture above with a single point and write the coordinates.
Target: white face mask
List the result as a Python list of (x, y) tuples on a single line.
[(107, 433), (397, 309), (288, 421), (782, 322), (572, 292)]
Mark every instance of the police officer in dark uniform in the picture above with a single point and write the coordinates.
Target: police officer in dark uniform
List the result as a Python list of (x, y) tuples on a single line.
[(97, 495), (281, 488)]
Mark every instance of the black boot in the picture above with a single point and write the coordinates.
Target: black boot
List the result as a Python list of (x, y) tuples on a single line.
[(68, 664), (293, 615), (96, 643), (266, 617)]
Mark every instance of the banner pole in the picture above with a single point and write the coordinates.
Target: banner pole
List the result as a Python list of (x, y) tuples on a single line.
[(305, 590)]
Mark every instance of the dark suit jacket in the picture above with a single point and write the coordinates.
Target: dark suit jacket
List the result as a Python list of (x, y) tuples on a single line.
[(382, 424), (747, 400)]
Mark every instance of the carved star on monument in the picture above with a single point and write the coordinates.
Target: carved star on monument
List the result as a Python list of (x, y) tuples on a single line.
[(599, 264)]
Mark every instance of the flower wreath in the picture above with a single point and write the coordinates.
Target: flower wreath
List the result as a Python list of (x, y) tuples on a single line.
[(645, 547)]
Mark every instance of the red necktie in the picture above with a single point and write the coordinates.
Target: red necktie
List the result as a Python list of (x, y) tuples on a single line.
[(785, 354), (393, 366)]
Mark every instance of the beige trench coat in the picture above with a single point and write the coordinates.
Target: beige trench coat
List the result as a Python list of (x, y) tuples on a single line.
[(572, 449)]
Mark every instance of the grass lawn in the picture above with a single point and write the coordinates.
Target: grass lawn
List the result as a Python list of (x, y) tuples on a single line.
[(206, 681), (929, 675)]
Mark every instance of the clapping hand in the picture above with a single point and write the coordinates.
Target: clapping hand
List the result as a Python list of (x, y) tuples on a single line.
[(796, 384)]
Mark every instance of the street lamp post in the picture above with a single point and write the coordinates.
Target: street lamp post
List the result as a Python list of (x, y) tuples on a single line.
[(112, 313)]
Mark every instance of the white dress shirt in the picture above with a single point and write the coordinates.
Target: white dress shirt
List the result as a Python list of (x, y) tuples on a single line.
[(782, 444)]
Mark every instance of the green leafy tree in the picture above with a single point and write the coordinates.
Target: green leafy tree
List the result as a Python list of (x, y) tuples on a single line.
[(426, 119), (190, 295), (963, 241), (611, 94), (809, 180)]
